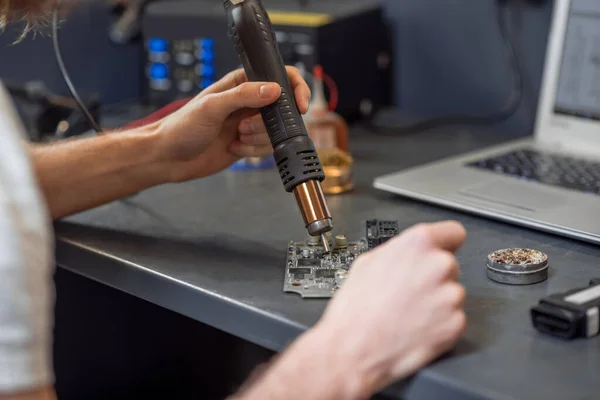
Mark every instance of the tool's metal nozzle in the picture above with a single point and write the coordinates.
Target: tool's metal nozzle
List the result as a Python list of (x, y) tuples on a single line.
[(315, 212), (325, 241)]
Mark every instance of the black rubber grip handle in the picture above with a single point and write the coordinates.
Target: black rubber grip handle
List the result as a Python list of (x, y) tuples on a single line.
[(251, 31), (255, 42)]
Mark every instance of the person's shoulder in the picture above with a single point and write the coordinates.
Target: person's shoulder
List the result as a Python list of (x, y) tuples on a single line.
[(10, 121), (5, 99)]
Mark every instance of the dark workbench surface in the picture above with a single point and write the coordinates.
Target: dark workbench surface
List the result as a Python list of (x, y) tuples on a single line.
[(214, 250)]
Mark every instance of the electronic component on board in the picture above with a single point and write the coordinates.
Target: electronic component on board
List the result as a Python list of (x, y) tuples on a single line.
[(379, 232), (316, 272)]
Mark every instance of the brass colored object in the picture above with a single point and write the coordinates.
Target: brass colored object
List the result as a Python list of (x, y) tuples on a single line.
[(337, 165), (518, 257), (341, 242), (313, 207)]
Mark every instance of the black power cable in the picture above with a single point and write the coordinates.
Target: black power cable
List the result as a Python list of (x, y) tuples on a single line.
[(63, 70), (512, 106)]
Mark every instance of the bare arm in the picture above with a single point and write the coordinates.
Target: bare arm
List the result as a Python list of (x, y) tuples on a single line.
[(41, 394), (388, 320), (80, 174), (312, 368), (205, 136)]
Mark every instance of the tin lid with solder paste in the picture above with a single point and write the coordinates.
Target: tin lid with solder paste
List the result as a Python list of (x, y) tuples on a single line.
[(517, 266)]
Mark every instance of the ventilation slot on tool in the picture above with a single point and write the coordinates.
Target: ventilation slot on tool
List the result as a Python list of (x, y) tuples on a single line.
[(288, 180), (262, 22), (312, 171)]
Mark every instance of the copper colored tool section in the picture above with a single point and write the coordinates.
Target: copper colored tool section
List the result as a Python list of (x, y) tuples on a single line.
[(313, 206)]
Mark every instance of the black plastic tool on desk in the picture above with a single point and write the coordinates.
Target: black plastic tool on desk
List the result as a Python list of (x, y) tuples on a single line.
[(297, 160), (570, 315)]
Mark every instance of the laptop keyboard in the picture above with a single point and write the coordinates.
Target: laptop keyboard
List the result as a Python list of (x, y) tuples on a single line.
[(549, 169)]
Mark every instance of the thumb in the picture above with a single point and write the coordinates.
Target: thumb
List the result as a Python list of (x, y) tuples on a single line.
[(217, 107)]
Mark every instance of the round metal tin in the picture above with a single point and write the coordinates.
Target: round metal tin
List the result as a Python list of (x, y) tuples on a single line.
[(517, 266)]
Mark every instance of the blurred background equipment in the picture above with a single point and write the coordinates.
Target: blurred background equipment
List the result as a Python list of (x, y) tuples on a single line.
[(448, 57), (127, 27), (512, 104), (329, 133), (65, 74), (187, 48), (51, 116), (96, 64)]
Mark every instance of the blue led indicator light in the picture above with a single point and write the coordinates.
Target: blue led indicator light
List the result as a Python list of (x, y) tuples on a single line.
[(208, 70), (159, 71), (157, 45), (207, 44), (206, 82), (208, 57)]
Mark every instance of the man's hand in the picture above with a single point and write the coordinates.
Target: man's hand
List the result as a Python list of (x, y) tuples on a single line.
[(221, 125), (46, 393), (208, 134), (400, 308)]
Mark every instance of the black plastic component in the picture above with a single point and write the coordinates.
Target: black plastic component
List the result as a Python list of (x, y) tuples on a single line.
[(379, 232), (325, 273), (296, 271), (564, 317), (254, 39), (297, 162), (307, 262)]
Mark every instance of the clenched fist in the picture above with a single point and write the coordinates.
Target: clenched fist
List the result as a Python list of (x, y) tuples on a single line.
[(401, 306)]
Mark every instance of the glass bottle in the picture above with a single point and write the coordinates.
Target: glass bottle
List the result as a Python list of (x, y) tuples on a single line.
[(329, 133), (326, 128)]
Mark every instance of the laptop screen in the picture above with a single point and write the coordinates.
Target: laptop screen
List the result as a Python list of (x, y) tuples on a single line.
[(579, 81)]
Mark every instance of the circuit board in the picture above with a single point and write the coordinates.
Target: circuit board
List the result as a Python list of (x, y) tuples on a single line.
[(313, 273)]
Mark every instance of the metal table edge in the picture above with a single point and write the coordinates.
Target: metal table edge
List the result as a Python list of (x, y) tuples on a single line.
[(220, 312)]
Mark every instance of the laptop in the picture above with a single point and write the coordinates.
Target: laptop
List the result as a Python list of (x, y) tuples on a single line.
[(550, 181)]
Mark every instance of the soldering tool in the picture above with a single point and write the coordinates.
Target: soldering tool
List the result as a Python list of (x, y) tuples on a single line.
[(297, 160)]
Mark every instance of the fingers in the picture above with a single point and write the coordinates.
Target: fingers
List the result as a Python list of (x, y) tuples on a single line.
[(448, 235), (258, 139), (252, 126), (229, 81), (244, 150), (451, 332), (453, 295), (253, 132), (238, 77), (301, 89), (215, 108), (445, 266)]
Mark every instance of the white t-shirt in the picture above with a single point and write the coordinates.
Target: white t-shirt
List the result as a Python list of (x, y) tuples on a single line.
[(26, 264)]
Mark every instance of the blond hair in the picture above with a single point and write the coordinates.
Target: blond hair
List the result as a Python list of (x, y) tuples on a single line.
[(30, 11)]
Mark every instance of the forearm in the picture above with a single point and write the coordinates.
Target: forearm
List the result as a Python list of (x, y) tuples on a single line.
[(76, 175), (40, 394), (312, 368)]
